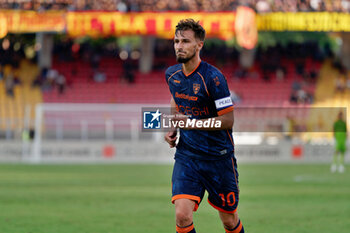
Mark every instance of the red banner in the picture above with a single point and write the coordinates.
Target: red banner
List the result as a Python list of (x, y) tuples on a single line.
[(97, 24)]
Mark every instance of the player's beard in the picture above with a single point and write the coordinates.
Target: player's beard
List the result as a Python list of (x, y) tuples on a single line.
[(185, 59)]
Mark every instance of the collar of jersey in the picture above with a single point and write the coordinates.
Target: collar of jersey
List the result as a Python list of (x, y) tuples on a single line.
[(200, 61)]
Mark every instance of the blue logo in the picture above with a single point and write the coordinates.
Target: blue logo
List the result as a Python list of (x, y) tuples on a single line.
[(151, 120)]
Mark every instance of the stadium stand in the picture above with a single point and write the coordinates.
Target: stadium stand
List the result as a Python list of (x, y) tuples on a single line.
[(151, 88), (270, 81), (113, 90), (100, 77), (13, 105), (327, 92)]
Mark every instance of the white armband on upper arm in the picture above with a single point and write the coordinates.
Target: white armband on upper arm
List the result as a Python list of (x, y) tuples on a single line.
[(223, 102)]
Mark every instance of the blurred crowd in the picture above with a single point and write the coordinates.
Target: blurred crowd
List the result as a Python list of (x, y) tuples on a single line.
[(342, 80), (50, 79), (9, 64), (261, 6)]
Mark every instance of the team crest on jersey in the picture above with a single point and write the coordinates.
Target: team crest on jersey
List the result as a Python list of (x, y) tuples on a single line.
[(216, 80), (196, 87)]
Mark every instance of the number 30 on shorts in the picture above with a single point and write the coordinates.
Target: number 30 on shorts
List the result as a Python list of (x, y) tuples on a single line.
[(230, 199)]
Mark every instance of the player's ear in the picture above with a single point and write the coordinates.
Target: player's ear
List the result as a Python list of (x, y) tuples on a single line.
[(200, 44)]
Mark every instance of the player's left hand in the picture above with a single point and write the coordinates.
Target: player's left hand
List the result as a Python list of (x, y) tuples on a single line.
[(170, 138)]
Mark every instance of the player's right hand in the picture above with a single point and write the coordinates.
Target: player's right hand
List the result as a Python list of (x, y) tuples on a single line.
[(170, 138)]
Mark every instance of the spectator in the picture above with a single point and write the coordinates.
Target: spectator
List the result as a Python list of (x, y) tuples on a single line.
[(95, 61), (293, 97), (296, 86), (1, 72), (40, 79), (289, 127), (122, 7), (300, 68), (128, 71), (99, 76), (51, 77), (61, 83), (266, 77), (235, 97), (262, 6), (10, 85), (340, 84), (313, 75), (280, 74), (302, 96), (37, 82)]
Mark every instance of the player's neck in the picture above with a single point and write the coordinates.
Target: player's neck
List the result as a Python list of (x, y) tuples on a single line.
[(191, 65)]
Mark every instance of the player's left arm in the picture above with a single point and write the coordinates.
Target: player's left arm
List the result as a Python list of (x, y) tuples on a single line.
[(226, 119)]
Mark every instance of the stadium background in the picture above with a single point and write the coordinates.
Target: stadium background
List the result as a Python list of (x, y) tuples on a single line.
[(75, 75)]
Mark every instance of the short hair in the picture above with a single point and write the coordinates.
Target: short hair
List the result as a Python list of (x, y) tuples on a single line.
[(190, 24)]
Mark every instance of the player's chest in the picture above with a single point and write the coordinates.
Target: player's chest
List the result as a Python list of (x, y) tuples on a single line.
[(192, 89)]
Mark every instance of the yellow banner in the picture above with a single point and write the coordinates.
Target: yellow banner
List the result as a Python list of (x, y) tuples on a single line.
[(98, 24), (3, 25), (311, 21), (31, 21)]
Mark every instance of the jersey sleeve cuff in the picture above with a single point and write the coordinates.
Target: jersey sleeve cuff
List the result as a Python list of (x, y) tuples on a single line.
[(226, 110)]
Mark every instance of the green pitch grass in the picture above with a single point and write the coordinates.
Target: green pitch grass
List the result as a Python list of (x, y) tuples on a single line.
[(136, 198)]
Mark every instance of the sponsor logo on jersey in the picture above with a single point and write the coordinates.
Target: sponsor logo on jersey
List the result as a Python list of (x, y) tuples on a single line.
[(186, 97), (194, 111), (216, 80)]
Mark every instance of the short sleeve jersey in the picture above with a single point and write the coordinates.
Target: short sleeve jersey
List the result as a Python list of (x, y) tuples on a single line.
[(201, 94)]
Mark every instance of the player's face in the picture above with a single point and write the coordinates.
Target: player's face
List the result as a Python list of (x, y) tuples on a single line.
[(340, 116), (186, 46)]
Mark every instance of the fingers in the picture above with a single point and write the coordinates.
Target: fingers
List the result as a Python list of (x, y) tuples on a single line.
[(172, 134), (170, 138), (171, 142)]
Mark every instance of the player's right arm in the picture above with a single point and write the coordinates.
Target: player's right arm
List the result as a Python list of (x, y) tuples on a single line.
[(170, 137)]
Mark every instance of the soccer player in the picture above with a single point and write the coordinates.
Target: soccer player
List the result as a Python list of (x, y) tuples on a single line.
[(204, 158), (339, 131)]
